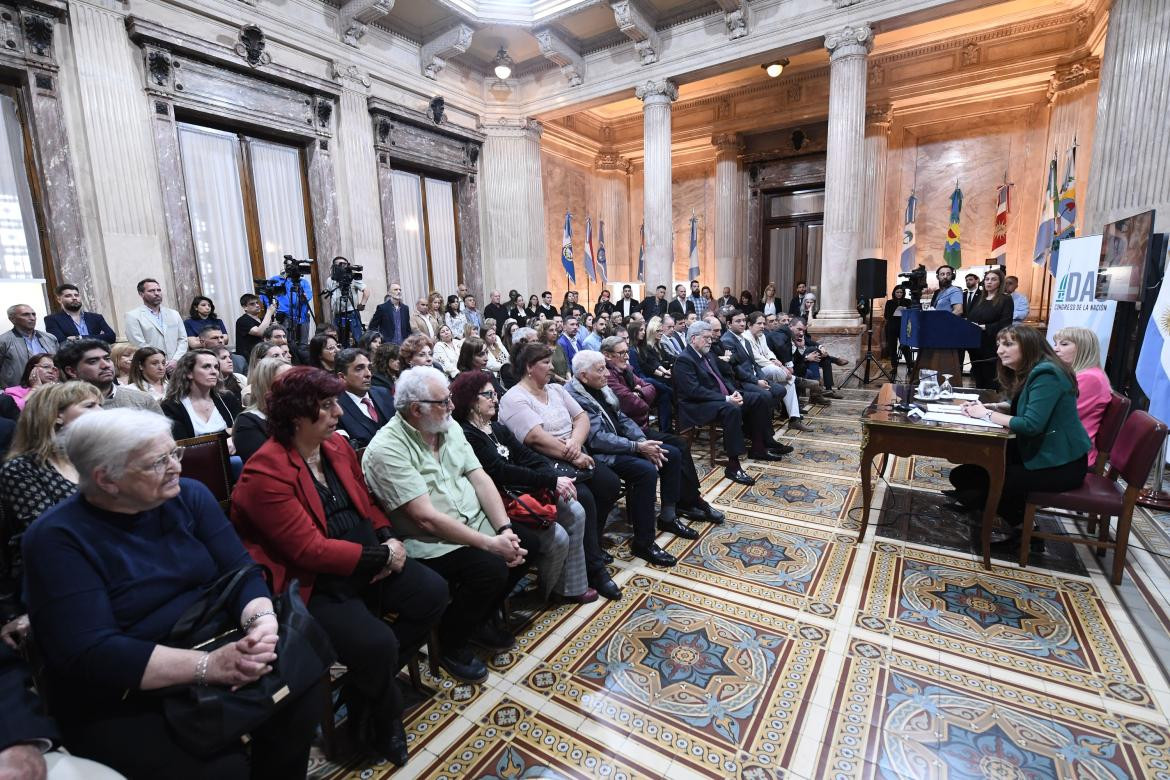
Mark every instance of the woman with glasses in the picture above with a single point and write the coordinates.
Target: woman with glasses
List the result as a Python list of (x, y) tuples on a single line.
[(543, 416), (118, 564), (303, 510), (38, 370), (36, 475), (322, 349)]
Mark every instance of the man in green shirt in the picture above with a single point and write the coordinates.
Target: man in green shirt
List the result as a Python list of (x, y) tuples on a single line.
[(448, 512)]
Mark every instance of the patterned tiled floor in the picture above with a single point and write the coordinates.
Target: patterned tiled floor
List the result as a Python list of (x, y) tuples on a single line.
[(780, 647)]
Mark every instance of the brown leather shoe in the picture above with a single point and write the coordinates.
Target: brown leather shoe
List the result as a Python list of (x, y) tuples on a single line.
[(795, 424)]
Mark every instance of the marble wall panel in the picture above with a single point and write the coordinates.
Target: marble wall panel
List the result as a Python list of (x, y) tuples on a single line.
[(693, 191), (568, 186)]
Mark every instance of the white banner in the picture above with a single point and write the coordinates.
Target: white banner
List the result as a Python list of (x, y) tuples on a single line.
[(1073, 304)]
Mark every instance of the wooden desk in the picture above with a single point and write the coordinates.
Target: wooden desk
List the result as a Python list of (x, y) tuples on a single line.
[(885, 431)]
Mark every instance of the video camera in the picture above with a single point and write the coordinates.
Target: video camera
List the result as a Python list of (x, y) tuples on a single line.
[(268, 289), (294, 269), (915, 283), (343, 274)]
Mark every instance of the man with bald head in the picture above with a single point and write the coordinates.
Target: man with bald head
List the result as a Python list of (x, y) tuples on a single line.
[(21, 343)]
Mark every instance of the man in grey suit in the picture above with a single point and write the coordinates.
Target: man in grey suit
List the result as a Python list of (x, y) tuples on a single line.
[(89, 361), (154, 325), (21, 343)]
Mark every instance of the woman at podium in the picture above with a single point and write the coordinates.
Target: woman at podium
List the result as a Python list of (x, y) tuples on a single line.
[(992, 312), (1050, 451)]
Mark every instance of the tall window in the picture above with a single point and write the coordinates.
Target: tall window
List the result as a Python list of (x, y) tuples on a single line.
[(23, 268), (246, 200), (793, 230), (425, 233)]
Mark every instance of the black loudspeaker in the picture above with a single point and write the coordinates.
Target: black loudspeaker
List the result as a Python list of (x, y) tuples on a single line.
[(871, 278)]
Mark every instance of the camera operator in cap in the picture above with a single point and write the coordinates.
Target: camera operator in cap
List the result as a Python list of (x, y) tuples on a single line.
[(292, 291), (347, 298)]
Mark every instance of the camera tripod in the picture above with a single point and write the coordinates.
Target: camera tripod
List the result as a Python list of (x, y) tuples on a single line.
[(343, 316), (869, 358)]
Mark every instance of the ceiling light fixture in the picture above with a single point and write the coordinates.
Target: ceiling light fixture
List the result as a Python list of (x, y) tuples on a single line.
[(776, 67), (502, 64)]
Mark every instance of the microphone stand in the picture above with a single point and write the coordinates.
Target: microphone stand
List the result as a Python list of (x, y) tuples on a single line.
[(867, 303)]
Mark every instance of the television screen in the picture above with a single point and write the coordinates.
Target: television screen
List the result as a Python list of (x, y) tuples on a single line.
[(1125, 245)]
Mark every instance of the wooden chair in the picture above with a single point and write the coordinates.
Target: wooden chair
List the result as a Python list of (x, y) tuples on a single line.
[(206, 459), (713, 435), (1133, 456), (1109, 429)]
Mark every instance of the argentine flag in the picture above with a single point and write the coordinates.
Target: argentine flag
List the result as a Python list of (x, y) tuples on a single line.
[(1153, 365), (567, 249)]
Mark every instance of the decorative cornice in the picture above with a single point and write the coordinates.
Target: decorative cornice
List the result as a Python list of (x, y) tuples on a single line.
[(639, 29), (350, 76), (1074, 75), (851, 41), (656, 91), (357, 15), (434, 54), (505, 127), (727, 143)]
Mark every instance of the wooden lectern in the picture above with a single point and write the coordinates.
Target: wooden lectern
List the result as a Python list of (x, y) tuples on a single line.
[(939, 336)]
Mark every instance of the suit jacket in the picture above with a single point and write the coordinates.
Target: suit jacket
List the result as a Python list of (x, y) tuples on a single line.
[(143, 330), (227, 404), (14, 354), (652, 307), (606, 441), (678, 308), (569, 346), (780, 342), (354, 421), (61, 325), (278, 513), (726, 300), (970, 298), (626, 308), (424, 324), (699, 396), (383, 321), (497, 312), (634, 394), (672, 345), (746, 369)]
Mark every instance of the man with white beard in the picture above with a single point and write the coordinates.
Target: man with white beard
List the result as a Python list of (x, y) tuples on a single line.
[(450, 518)]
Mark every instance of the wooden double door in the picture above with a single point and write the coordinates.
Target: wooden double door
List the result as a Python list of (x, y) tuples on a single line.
[(793, 234)]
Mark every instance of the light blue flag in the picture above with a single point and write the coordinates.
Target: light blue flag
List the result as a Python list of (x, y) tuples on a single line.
[(567, 249), (1153, 365), (693, 272), (909, 250), (1047, 230), (592, 274), (642, 254), (601, 269)]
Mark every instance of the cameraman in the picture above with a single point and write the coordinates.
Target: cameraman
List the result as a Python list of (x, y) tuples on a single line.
[(250, 326), (347, 297), (292, 302)]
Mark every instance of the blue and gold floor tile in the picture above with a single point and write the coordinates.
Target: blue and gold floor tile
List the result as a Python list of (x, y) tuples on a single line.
[(897, 715), (798, 567), (820, 499), (924, 473), (1054, 629), (818, 457), (844, 430)]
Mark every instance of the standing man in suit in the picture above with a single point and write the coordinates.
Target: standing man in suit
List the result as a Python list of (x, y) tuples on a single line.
[(422, 321), (567, 341), (681, 305), (704, 396), (794, 305), (154, 325), (21, 343), (655, 305), (392, 318), (364, 409), (970, 292), (626, 305), (546, 308), (73, 323)]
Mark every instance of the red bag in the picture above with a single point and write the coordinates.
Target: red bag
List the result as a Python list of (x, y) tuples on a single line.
[(537, 509)]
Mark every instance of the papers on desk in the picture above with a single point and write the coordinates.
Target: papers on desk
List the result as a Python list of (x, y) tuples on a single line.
[(944, 408), (965, 396), (955, 418)]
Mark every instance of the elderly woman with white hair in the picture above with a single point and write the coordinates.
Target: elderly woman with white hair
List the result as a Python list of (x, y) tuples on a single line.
[(112, 568)]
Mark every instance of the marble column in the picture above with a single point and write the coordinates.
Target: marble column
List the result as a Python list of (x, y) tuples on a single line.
[(873, 213), (470, 235), (1130, 168), (656, 97), (512, 206), (844, 174), (358, 197), (613, 208), (728, 215), (323, 207)]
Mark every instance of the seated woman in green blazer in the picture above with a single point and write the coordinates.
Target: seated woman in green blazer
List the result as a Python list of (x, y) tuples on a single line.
[(1050, 450)]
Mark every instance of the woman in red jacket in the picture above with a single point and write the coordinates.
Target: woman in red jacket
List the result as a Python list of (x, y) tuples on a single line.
[(302, 509)]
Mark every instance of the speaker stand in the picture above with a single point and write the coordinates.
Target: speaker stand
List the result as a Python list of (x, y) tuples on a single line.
[(869, 358)]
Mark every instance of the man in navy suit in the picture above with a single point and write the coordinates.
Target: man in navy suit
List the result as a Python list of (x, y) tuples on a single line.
[(743, 360), (655, 305), (704, 396), (681, 306), (392, 318), (73, 323), (365, 409)]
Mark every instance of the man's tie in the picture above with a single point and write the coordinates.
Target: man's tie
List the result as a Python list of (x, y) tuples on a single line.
[(369, 404), (715, 373)]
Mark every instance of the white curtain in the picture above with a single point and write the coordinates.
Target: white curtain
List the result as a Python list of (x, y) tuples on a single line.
[(280, 203), (441, 229), (211, 174), (412, 258), (20, 247)]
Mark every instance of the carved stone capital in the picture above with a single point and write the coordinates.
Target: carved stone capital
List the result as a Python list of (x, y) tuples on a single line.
[(1074, 75), (356, 15), (850, 41), (660, 91), (727, 143), (351, 76), (507, 127), (611, 162), (556, 50), (879, 116)]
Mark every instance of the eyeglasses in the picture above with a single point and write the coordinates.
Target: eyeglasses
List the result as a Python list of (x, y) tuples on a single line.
[(488, 394), (444, 401), (159, 465), (621, 353)]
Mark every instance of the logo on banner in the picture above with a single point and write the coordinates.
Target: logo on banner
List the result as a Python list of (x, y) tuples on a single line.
[(1077, 287)]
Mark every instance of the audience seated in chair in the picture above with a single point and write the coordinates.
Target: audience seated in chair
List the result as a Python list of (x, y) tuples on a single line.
[(251, 428), (38, 370), (1079, 349), (364, 408), (196, 402), (89, 361)]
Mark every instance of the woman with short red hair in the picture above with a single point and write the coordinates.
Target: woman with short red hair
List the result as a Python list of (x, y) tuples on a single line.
[(303, 510)]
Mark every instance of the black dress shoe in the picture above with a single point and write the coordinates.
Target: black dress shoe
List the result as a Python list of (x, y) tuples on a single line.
[(464, 666), (653, 554), (677, 528), (389, 740), (740, 476), (608, 589), (703, 512), (492, 637), (952, 493), (780, 449), (764, 456), (606, 558)]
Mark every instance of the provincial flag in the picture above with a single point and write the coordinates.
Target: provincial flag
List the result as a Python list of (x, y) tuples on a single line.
[(693, 272), (601, 269), (1066, 207), (589, 250), (908, 234), (1153, 364), (999, 234), (1047, 229), (567, 249), (953, 250), (642, 254)]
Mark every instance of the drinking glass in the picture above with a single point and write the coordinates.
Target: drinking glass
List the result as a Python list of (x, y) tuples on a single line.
[(946, 390)]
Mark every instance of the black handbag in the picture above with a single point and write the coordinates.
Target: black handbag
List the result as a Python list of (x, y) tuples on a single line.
[(208, 718), (563, 469)]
